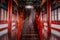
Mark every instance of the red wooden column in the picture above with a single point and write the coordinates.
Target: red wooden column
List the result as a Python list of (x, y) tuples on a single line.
[(19, 25), (9, 18), (39, 23), (48, 17)]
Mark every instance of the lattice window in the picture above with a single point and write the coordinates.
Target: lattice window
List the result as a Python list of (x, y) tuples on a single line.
[(58, 13), (3, 14), (52, 15)]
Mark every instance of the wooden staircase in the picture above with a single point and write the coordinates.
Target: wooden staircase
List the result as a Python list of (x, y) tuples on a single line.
[(29, 33)]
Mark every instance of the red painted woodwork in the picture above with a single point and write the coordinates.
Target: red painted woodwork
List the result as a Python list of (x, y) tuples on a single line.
[(55, 29), (39, 23), (1, 29), (48, 15), (55, 22), (48, 3), (19, 24), (3, 22), (9, 18)]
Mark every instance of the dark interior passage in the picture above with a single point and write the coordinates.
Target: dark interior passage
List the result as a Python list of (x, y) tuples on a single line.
[(29, 29), (29, 19), (29, 32)]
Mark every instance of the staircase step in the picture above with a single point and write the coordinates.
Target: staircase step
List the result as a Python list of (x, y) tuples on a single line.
[(30, 38), (29, 33)]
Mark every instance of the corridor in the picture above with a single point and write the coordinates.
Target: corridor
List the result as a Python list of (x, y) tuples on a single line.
[(29, 19)]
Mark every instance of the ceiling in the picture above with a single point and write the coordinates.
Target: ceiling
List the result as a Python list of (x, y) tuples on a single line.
[(29, 1), (23, 3)]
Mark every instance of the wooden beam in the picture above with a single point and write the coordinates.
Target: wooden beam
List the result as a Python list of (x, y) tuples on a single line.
[(15, 2), (55, 29), (42, 2), (9, 19), (39, 24), (19, 23), (55, 1), (48, 3), (3, 22), (1, 29)]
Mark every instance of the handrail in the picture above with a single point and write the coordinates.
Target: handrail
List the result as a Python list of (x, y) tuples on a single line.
[(3, 28), (56, 29), (55, 22), (3, 22)]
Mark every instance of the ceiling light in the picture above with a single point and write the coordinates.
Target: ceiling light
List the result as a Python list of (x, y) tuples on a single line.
[(28, 6)]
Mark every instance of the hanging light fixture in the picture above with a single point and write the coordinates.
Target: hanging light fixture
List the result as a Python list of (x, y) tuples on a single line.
[(28, 6)]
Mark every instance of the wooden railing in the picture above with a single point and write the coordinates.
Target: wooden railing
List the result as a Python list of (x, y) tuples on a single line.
[(1, 29), (55, 29)]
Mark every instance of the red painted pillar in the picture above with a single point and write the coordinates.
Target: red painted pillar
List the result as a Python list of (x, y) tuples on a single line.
[(39, 23), (48, 17), (9, 18), (19, 25)]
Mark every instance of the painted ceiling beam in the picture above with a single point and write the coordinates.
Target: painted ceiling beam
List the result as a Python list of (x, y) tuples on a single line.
[(16, 2), (42, 2)]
